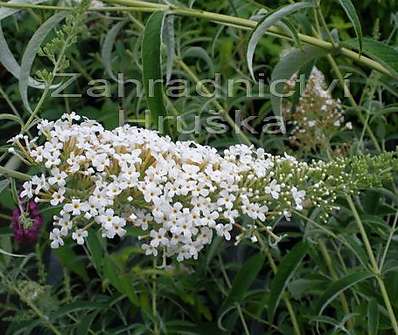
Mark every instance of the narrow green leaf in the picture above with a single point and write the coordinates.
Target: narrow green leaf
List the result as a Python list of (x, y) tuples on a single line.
[(270, 20), (4, 184), (287, 67), (286, 270), (169, 41), (356, 246), (339, 286), (4, 252), (338, 325), (373, 317), (383, 53), (289, 27), (106, 50), (243, 280), (118, 280), (353, 16), (152, 69), (7, 59), (85, 323), (71, 261), (96, 250), (76, 306), (31, 51), (11, 117)]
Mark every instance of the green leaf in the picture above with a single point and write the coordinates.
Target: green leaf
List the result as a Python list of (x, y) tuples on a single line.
[(356, 246), (286, 270), (270, 20), (106, 50), (373, 317), (4, 184), (85, 323), (383, 53), (31, 51), (287, 67), (118, 280), (169, 40), (339, 286), (71, 261), (7, 59), (353, 16), (76, 306), (11, 117), (338, 325), (243, 280), (96, 250), (201, 53), (288, 27), (152, 69)]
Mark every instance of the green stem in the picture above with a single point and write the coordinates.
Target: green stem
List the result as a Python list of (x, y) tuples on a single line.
[(154, 301), (329, 265), (9, 102), (12, 173), (37, 108), (374, 265), (285, 297), (70, 8), (71, 36), (242, 318), (389, 240), (48, 85), (238, 307)]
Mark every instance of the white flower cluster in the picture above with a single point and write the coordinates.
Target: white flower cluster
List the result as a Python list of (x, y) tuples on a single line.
[(316, 116), (179, 194)]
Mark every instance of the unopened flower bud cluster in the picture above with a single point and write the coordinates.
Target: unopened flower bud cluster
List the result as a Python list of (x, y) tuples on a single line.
[(316, 117), (179, 195)]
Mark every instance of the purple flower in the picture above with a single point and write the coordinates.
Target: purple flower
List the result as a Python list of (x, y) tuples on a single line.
[(26, 223)]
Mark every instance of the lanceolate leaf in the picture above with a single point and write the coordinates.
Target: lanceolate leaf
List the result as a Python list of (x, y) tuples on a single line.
[(287, 26), (118, 280), (152, 69), (243, 280), (169, 40), (286, 270), (373, 317), (381, 52), (7, 59), (287, 67), (353, 16), (69, 259), (96, 250), (266, 23), (106, 51), (31, 51), (339, 286), (4, 184), (11, 117)]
